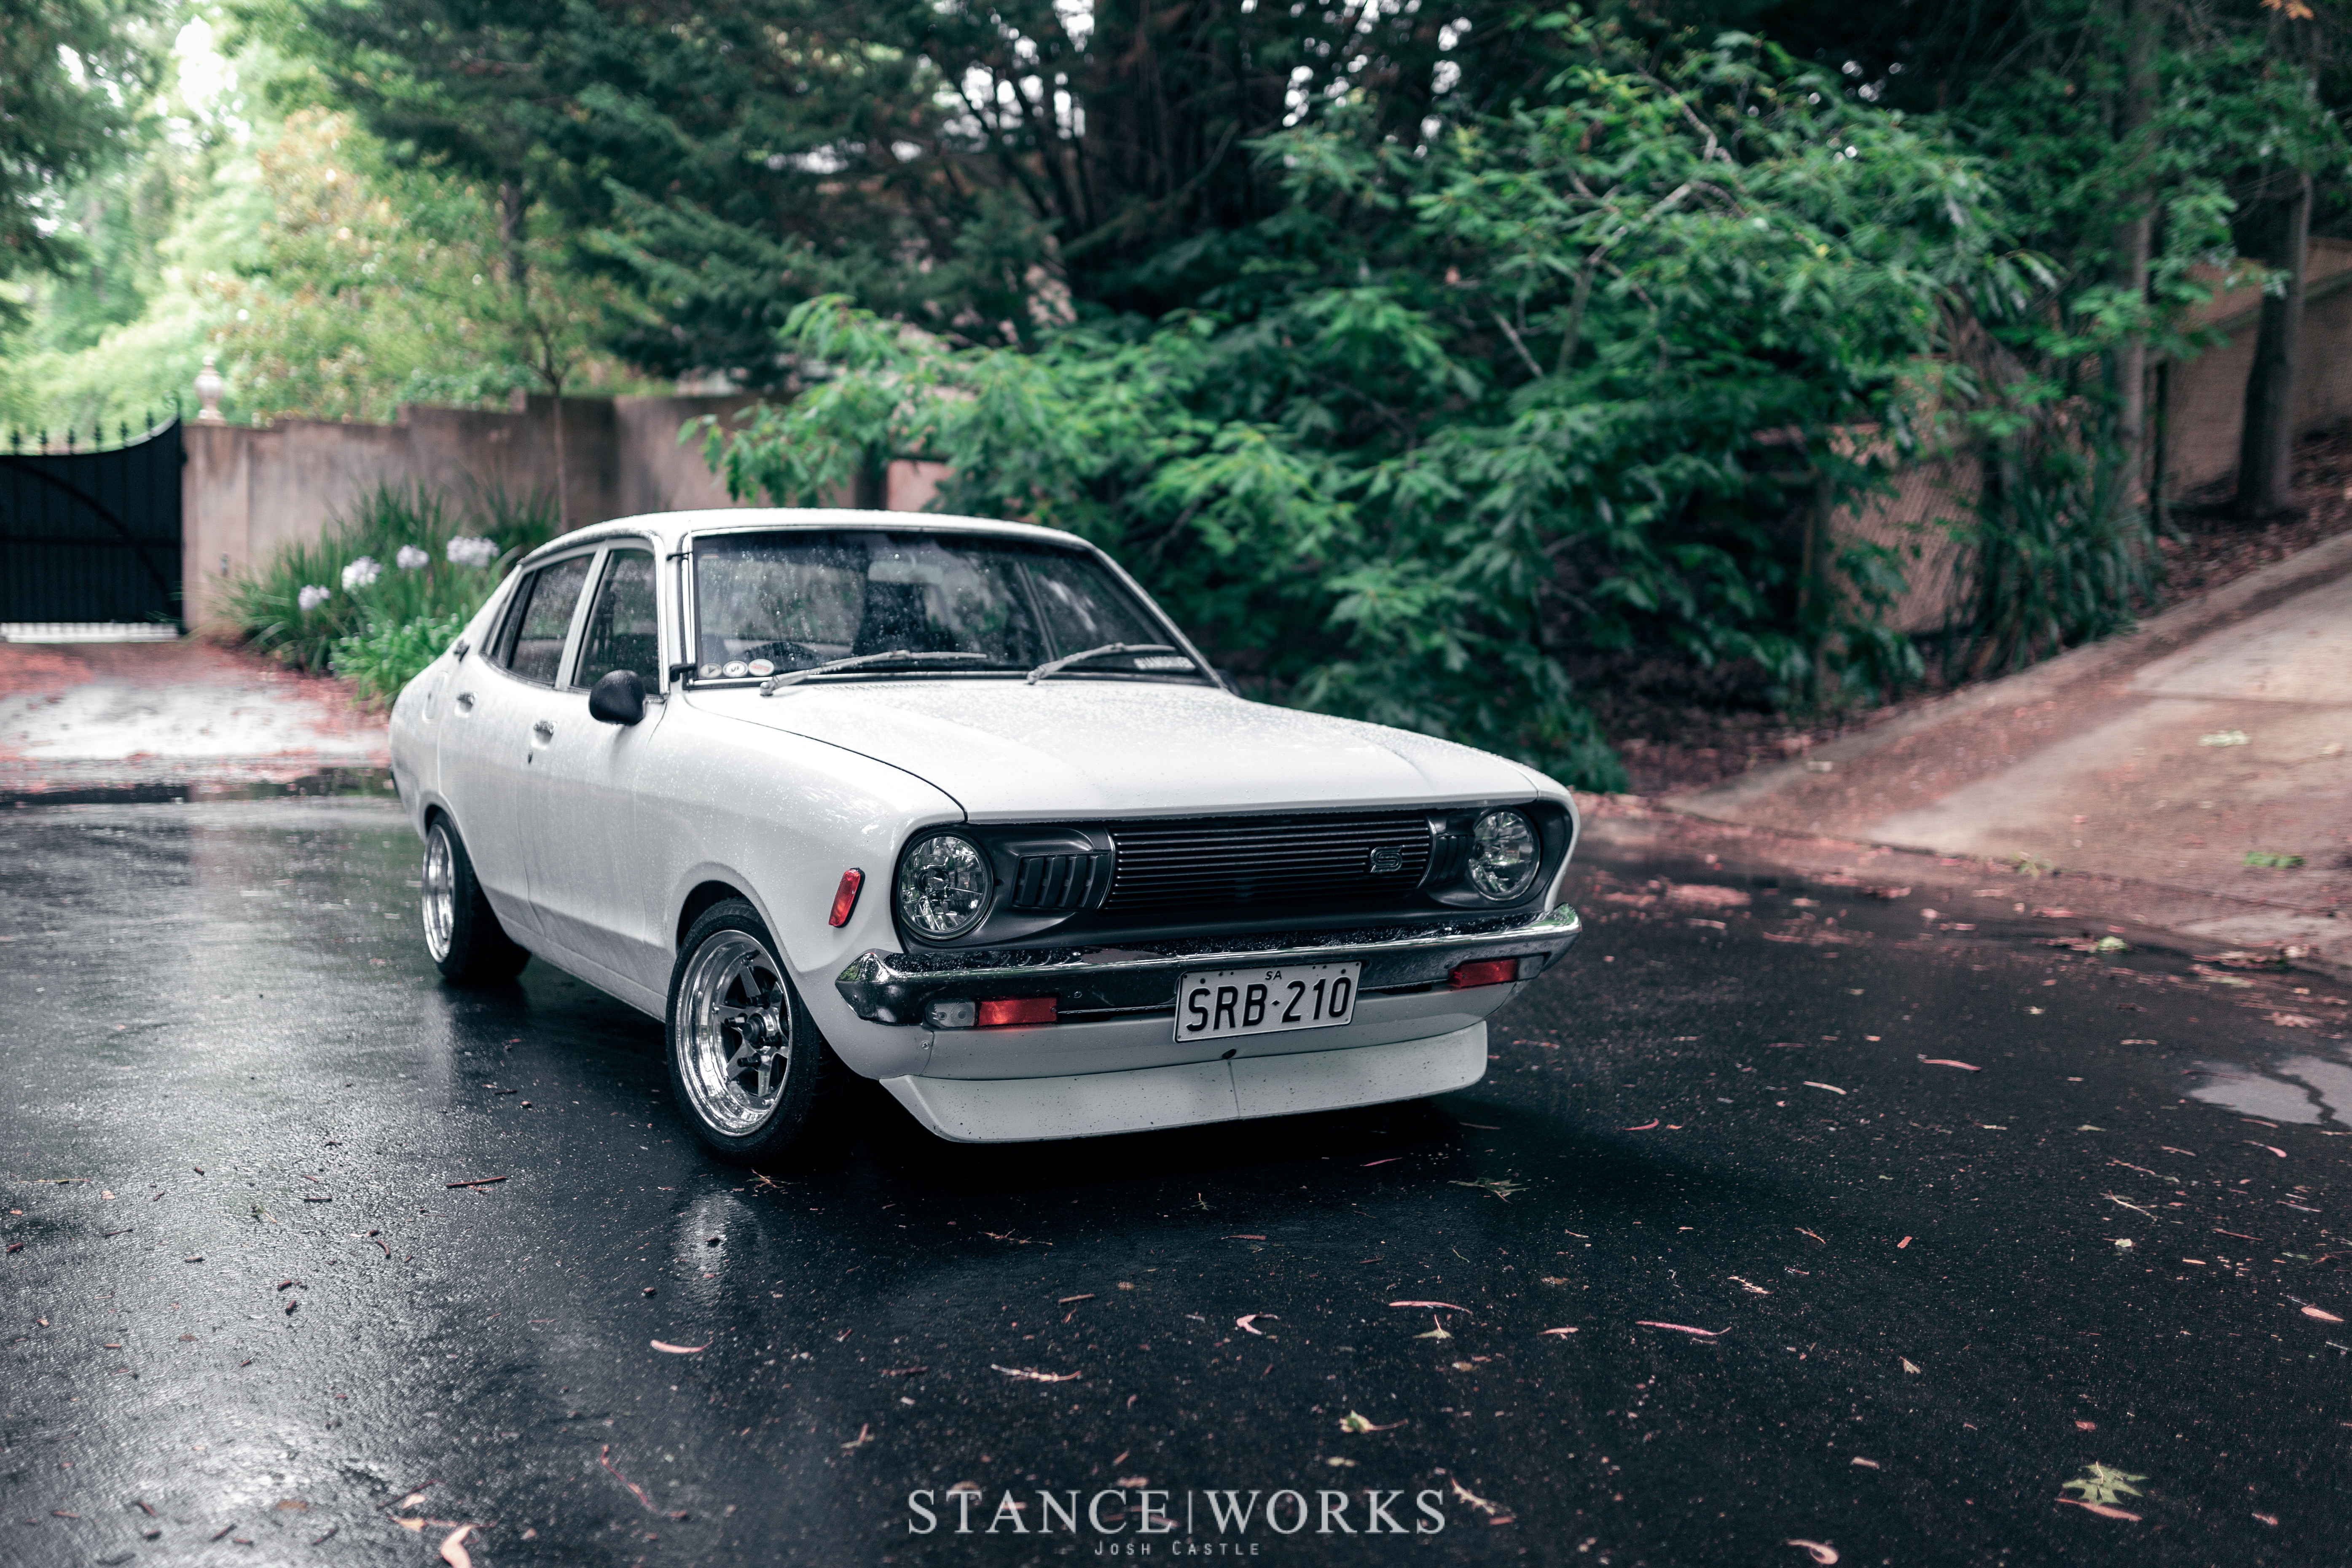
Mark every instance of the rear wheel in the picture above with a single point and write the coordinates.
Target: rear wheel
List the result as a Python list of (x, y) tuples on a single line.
[(756, 1081), (461, 931)]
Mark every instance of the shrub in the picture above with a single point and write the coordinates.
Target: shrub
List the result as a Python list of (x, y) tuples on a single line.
[(390, 654), (309, 599)]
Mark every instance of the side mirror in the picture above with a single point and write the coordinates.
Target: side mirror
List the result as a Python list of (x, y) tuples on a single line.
[(617, 698)]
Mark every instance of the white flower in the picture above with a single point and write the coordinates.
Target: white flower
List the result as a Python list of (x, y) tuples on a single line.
[(410, 558), (362, 573), (467, 552), (311, 597)]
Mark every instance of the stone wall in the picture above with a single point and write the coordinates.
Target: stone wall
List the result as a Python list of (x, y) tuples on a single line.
[(249, 489), (2203, 415)]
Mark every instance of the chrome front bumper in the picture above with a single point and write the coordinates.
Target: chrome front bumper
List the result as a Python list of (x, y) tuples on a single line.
[(1099, 982)]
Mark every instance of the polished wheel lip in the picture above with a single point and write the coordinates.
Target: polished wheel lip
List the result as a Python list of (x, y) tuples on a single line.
[(440, 899), (733, 1021)]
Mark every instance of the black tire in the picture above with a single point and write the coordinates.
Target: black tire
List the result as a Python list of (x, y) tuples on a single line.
[(461, 931), (751, 1072)]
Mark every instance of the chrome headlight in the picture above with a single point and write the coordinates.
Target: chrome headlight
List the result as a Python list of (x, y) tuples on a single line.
[(943, 887), (1505, 856)]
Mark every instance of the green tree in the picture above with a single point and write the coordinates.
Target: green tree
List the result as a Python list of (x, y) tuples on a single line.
[(1578, 373), (74, 75)]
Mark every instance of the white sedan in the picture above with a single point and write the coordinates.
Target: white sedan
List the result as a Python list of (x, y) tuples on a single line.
[(952, 805)]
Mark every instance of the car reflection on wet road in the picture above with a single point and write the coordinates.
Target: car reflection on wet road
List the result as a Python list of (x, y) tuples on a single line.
[(1786, 1223)]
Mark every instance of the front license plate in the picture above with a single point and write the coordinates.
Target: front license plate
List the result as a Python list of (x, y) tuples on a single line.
[(1223, 1002)]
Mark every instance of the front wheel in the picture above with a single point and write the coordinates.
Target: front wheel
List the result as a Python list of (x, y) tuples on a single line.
[(461, 931), (756, 1080)]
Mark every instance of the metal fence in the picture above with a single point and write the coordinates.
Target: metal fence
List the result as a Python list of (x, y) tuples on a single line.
[(91, 535)]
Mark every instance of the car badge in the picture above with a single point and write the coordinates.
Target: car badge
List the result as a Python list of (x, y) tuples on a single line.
[(709, 669), (737, 666), (763, 666), (1386, 858)]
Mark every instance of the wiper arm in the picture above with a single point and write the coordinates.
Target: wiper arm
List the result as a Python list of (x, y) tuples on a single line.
[(1055, 666), (894, 655)]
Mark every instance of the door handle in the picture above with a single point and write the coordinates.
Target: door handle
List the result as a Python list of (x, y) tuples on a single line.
[(465, 703), (544, 729)]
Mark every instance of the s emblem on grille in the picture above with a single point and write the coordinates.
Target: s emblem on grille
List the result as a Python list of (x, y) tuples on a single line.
[(1387, 858)]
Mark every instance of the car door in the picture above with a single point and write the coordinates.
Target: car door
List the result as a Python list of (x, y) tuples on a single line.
[(498, 696), (593, 880)]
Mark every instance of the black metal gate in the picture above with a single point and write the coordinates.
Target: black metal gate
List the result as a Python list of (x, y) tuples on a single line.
[(93, 536)]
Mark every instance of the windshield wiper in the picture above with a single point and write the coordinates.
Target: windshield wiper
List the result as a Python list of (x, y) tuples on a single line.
[(1055, 666), (894, 655)]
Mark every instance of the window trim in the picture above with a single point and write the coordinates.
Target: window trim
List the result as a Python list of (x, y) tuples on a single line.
[(575, 646), (519, 606)]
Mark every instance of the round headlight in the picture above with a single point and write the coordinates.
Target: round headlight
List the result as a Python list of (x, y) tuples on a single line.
[(943, 887), (1505, 856)]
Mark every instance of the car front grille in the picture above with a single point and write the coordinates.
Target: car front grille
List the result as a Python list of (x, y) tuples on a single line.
[(1056, 881), (1234, 863)]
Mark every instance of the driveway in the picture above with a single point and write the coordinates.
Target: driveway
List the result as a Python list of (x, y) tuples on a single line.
[(1788, 1226), (2209, 753), (156, 716)]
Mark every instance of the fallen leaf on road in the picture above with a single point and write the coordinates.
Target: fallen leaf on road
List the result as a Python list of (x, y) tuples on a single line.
[(2102, 1485), (1447, 1305), (453, 1548), (1683, 1329), (2102, 1510), (1748, 1285), (1830, 1087), (1435, 1334), (2223, 738), (1645, 1127), (865, 1435), (1502, 1190), (1557, 1331), (1866, 1464), (1490, 1508), (2293, 1021), (1352, 1422), (1802, 1231), (678, 1350), (1390, 1161), (1907, 1363), (1817, 1550), (2280, 1153), (1244, 1321), (415, 1524), (636, 1491), (1948, 1062), (2323, 1317), (2269, 1519), (1035, 1377)]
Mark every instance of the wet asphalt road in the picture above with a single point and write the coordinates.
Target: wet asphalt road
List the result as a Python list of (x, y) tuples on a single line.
[(246, 1319)]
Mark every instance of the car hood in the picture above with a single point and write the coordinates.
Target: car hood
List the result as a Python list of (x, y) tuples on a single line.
[(1009, 751)]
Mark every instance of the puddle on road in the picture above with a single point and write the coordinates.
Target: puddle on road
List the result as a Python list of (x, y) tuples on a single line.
[(2305, 1090)]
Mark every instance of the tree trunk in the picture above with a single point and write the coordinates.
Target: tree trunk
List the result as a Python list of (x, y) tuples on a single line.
[(512, 211), (2143, 26), (872, 490), (2266, 443)]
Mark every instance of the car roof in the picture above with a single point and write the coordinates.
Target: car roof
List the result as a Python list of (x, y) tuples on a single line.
[(670, 528)]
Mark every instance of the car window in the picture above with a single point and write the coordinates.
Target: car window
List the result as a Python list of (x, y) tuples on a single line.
[(766, 603), (532, 643), (622, 630), (1083, 606)]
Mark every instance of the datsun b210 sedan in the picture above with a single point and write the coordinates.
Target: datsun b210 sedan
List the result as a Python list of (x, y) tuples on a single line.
[(952, 805)]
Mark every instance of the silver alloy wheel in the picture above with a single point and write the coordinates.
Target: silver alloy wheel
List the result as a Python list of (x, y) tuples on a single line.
[(440, 890), (734, 1032)]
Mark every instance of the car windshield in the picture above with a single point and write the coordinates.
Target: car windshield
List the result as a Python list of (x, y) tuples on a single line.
[(768, 604)]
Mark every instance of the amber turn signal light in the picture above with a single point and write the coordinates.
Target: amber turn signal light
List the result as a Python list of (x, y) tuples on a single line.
[(1004, 1010), (1484, 971), (844, 897)]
